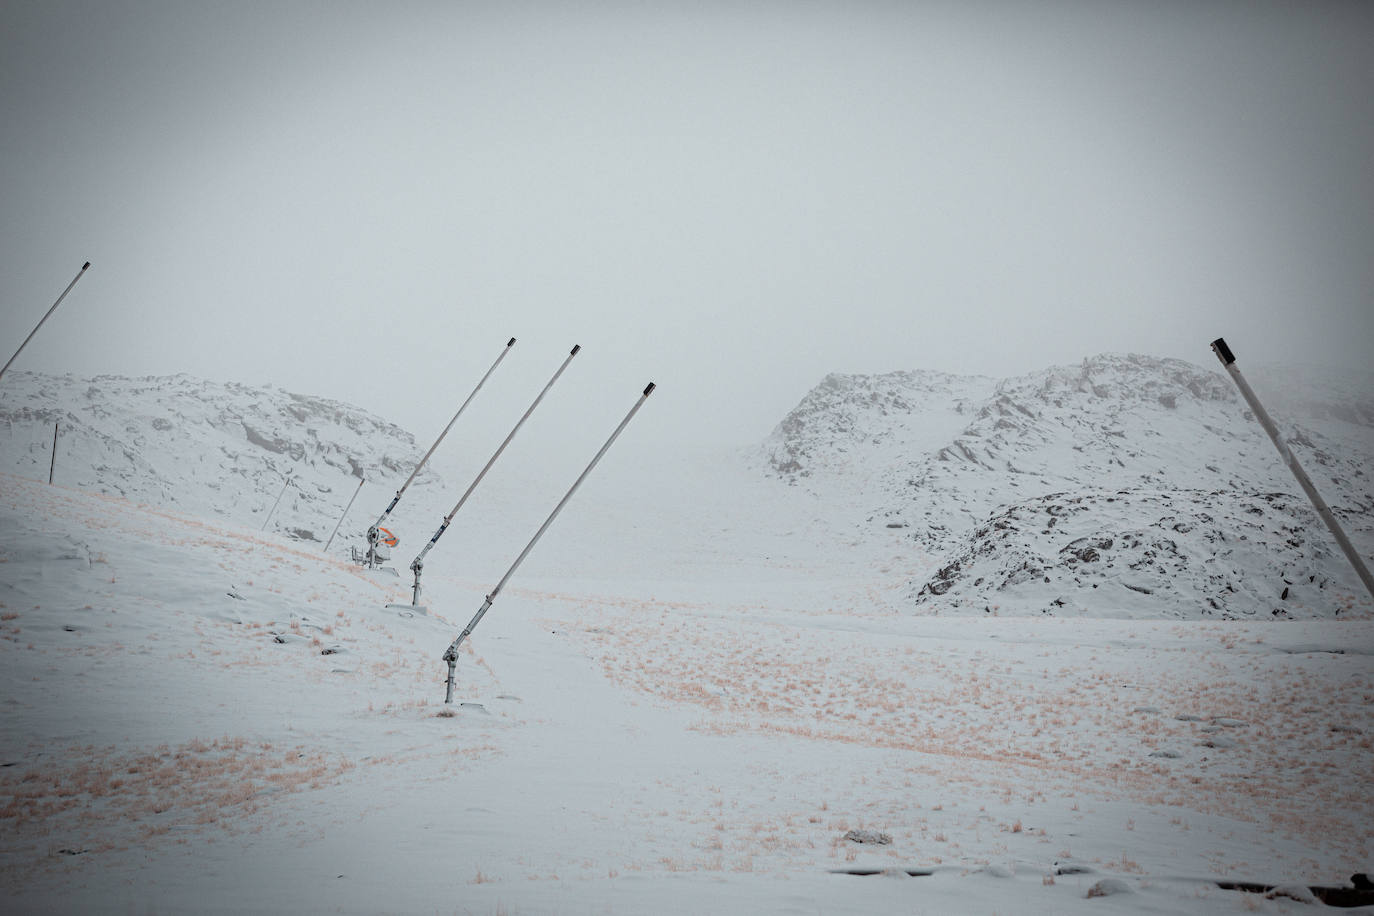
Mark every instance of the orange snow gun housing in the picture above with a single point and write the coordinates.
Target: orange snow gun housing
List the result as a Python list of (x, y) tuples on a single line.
[(384, 536)]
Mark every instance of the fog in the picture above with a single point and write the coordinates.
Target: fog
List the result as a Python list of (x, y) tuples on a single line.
[(366, 201)]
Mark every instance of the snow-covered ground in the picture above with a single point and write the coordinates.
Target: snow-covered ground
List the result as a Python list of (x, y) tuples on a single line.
[(702, 691)]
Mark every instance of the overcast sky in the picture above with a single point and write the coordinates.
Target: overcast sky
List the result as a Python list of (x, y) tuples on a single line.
[(364, 201)]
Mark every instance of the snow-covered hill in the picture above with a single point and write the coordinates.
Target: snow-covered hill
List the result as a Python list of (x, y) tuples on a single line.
[(850, 422), (1123, 485), (206, 448)]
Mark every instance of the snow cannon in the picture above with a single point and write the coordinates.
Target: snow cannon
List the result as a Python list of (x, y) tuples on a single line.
[(418, 564), (1228, 359), (451, 653), (374, 530)]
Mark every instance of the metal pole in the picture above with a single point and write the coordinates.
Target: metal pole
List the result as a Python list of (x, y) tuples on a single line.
[(1228, 360), (361, 481), (452, 672), (53, 466), (275, 504), (451, 654), (79, 274), (372, 532), (418, 563)]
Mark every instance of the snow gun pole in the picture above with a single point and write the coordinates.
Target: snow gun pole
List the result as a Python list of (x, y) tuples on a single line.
[(277, 503), (361, 481), (373, 534), (418, 563), (79, 274), (451, 654), (52, 468), (1228, 360)]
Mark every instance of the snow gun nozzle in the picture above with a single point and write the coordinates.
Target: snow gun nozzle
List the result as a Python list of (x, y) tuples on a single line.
[(511, 342), (86, 265), (575, 348), (649, 390), (1223, 352)]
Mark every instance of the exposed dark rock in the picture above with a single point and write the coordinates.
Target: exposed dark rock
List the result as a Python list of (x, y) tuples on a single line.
[(871, 837)]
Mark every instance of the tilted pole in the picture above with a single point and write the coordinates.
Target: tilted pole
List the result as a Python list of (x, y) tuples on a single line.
[(277, 503), (79, 274), (372, 533), (1228, 360), (361, 481), (53, 466), (418, 563), (451, 654)]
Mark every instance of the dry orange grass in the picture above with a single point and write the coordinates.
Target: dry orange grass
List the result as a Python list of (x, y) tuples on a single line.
[(99, 798), (1086, 717)]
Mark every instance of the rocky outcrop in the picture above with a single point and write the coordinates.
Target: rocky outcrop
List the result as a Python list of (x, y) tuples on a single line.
[(1125, 484)]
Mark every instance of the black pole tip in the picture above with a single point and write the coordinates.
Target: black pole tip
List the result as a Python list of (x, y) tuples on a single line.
[(649, 390), (575, 348), (1223, 352), (86, 265), (511, 342)]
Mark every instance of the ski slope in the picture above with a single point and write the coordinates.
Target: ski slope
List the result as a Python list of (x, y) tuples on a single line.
[(701, 692)]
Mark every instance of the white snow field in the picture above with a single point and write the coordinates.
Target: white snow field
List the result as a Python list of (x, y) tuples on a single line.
[(717, 685)]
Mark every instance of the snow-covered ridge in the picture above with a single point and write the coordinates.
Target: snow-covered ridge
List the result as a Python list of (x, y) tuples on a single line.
[(849, 413), (218, 449), (1158, 457)]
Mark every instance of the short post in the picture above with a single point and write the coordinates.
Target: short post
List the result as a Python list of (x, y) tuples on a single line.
[(452, 667), (1228, 360), (53, 465), (417, 565)]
